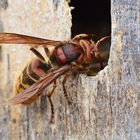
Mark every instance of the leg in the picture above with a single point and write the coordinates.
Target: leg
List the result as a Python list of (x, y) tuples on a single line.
[(75, 40), (51, 103), (78, 68), (64, 89), (83, 36)]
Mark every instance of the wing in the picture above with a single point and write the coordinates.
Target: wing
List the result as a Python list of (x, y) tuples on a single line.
[(36, 89), (12, 38)]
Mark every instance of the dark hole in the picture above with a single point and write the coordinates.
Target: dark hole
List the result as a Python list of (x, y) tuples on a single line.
[(91, 16)]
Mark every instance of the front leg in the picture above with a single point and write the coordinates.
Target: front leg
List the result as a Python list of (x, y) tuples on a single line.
[(83, 36), (78, 68)]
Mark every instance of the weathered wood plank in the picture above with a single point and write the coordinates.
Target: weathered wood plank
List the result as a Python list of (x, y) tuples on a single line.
[(104, 107)]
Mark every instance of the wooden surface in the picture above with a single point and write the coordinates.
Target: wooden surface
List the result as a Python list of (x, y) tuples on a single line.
[(105, 107)]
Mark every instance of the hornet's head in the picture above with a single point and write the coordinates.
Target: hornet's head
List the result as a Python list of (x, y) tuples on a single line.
[(100, 54)]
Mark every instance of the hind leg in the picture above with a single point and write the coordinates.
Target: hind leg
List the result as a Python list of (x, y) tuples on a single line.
[(52, 119)]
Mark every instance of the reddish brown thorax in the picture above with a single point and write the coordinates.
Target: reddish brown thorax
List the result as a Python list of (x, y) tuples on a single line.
[(66, 54)]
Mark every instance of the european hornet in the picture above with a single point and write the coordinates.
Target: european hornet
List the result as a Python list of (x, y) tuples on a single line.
[(79, 54)]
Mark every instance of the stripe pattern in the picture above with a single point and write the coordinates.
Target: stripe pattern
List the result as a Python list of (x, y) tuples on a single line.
[(28, 77)]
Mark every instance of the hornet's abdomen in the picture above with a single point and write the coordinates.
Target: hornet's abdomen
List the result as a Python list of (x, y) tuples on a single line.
[(31, 74)]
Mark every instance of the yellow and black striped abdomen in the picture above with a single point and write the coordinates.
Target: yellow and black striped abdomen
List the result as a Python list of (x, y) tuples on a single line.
[(28, 77)]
